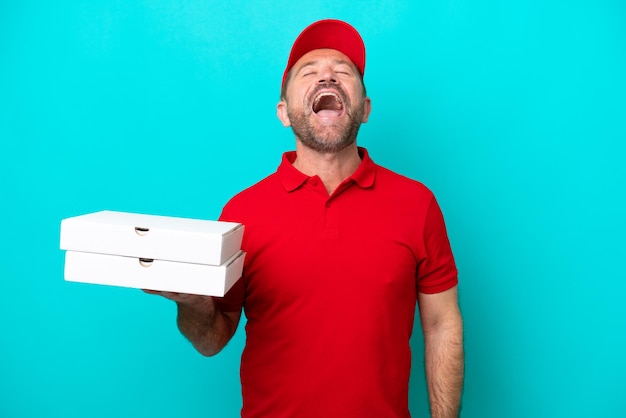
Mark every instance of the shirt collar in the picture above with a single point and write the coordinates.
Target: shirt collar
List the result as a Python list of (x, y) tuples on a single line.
[(292, 179)]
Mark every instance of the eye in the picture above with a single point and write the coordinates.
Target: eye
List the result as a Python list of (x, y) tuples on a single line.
[(343, 70), (307, 73)]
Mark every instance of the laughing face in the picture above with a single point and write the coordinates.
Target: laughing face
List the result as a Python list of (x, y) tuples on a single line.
[(324, 101)]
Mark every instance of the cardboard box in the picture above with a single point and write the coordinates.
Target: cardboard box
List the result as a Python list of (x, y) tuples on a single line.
[(153, 252), (151, 236), (141, 273)]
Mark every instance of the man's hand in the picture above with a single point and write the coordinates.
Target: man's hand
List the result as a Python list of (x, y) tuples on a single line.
[(208, 328)]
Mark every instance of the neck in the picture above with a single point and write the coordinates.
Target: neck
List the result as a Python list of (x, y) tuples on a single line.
[(331, 168)]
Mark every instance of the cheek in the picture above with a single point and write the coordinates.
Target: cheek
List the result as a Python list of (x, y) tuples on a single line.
[(298, 91), (297, 104)]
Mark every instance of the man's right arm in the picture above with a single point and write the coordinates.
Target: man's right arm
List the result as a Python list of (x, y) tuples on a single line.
[(199, 320)]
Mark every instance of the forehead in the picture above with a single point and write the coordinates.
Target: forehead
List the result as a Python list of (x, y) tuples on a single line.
[(323, 55)]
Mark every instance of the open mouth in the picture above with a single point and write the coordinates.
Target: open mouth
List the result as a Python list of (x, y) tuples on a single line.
[(328, 104)]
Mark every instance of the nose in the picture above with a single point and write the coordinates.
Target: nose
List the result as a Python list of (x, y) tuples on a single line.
[(327, 75)]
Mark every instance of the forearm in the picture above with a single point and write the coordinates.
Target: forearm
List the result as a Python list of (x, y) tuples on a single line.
[(207, 328), (445, 368)]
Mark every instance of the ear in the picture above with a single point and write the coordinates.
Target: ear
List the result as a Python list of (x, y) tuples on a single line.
[(367, 108), (281, 112)]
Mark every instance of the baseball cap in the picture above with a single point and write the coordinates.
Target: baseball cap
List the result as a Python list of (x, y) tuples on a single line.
[(332, 34)]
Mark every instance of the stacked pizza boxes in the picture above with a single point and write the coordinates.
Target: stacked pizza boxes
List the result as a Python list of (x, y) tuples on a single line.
[(153, 252)]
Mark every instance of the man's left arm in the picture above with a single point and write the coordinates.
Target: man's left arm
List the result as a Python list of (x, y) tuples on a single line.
[(443, 340)]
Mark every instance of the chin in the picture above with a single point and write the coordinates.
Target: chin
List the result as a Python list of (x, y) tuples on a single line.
[(327, 145)]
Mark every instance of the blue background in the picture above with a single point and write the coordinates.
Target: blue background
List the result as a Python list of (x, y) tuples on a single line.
[(512, 112)]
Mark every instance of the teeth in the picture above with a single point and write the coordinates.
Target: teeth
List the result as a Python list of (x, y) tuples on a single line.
[(326, 94)]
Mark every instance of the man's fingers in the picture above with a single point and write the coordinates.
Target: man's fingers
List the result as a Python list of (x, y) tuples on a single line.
[(179, 297), (169, 295)]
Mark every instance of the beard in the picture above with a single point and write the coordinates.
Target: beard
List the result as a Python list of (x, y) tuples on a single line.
[(329, 138)]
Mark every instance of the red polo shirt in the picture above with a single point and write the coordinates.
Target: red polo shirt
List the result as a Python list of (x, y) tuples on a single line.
[(329, 290)]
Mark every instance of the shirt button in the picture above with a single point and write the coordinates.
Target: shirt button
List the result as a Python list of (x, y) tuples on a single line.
[(314, 182)]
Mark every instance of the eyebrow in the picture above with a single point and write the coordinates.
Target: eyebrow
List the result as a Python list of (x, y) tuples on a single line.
[(312, 63)]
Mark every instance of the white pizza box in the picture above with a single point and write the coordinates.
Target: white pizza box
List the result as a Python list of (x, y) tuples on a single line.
[(151, 274), (152, 236)]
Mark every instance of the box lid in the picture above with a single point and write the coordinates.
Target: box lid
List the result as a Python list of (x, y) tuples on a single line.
[(152, 236)]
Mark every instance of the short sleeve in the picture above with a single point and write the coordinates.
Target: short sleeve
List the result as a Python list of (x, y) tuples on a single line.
[(437, 272)]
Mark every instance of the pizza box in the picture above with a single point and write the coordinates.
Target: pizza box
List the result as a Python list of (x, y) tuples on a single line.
[(153, 274), (152, 237)]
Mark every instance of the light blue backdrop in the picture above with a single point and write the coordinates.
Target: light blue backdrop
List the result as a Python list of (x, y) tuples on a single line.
[(512, 112)]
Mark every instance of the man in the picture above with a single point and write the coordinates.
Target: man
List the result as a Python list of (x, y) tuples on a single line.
[(339, 250)]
